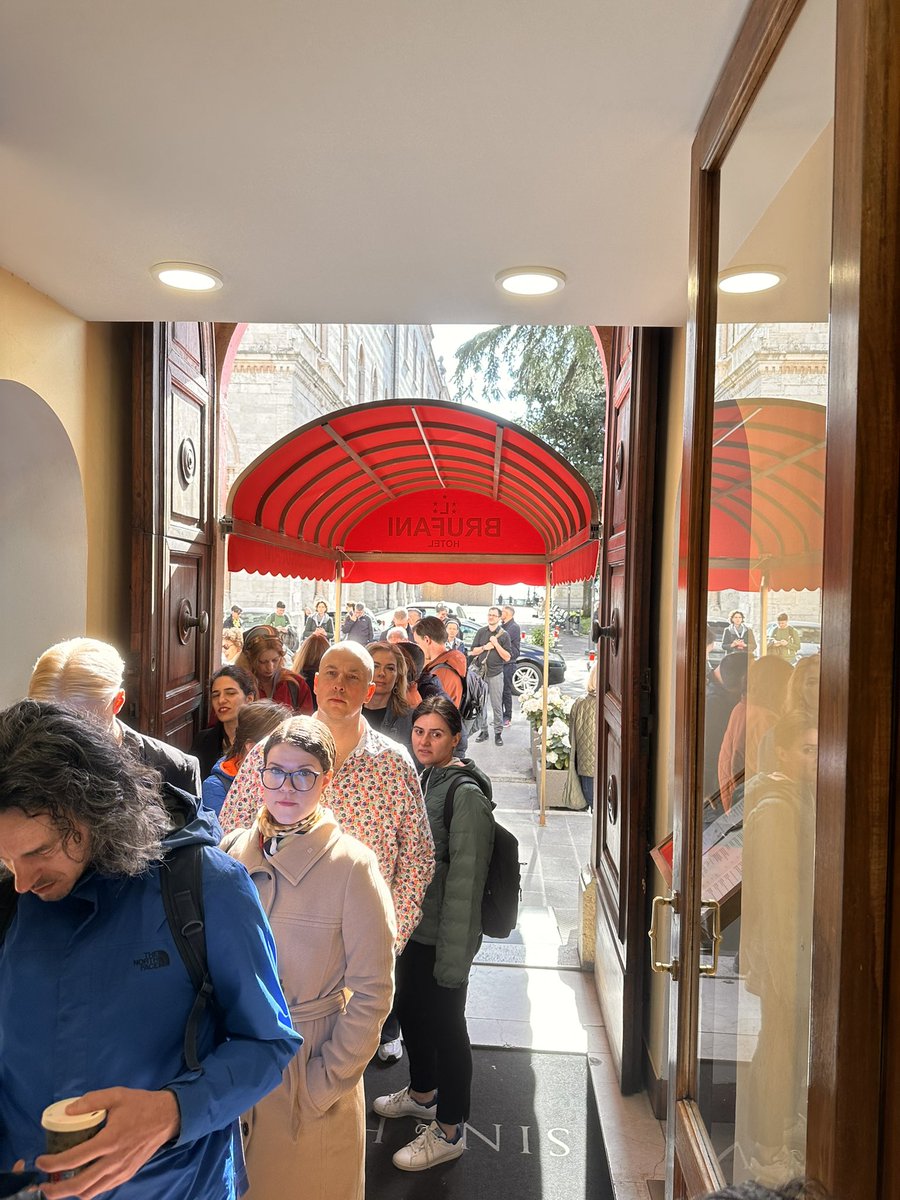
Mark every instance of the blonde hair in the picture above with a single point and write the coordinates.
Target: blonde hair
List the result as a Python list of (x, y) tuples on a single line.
[(82, 672), (397, 701), (310, 654)]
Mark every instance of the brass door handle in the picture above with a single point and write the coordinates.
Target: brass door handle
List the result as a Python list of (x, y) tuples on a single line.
[(712, 967), (661, 968)]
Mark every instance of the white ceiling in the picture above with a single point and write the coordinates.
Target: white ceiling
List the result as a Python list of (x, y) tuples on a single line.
[(355, 160)]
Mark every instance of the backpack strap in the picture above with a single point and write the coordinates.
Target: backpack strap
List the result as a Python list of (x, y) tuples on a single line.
[(181, 878), (9, 899), (448, 802)]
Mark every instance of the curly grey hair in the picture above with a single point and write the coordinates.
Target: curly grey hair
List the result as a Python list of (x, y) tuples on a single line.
[(60, 763)]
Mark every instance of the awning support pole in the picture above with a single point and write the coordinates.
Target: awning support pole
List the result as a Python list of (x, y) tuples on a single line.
[(338, 620), (763, 614), (543, 786)]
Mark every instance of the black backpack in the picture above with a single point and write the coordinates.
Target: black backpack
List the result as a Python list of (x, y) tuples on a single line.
[(503, 886), (182, 892), (474, 694)]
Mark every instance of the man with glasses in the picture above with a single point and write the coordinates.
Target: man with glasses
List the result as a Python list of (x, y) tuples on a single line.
[(374, 794), (491, 650)]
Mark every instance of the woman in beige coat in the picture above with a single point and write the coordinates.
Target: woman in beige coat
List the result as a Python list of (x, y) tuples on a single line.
[(333, 921)]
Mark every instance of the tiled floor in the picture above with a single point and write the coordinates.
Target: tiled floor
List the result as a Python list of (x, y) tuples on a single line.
[(529, 990)]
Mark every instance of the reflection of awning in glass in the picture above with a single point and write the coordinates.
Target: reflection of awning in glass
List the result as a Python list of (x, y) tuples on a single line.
[(413, 490), (767, 495)]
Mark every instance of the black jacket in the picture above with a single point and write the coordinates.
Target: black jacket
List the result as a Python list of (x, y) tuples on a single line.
[(180, 769)]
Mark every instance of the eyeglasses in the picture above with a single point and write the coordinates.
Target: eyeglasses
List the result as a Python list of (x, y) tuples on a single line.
[(301, 781)]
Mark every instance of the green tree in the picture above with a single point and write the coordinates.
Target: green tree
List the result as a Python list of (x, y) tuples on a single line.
[(556, 370)]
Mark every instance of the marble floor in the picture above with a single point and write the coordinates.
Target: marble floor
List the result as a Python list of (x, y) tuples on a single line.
[(529, 990)]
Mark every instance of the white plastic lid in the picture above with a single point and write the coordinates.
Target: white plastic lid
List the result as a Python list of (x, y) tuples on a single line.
[(56, 1118)]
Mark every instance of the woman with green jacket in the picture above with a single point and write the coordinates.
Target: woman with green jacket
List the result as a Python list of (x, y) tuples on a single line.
[(432, 973)]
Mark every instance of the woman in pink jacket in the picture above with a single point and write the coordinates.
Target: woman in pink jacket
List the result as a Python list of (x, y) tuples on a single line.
[(333, 921)]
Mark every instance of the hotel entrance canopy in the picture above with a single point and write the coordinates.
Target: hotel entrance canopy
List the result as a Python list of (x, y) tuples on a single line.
[(413, 491), (767, 494)]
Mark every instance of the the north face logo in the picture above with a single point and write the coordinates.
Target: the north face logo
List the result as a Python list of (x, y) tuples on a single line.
[(152, 959)]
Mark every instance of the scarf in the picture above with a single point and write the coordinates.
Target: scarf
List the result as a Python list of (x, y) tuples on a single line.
[(271, 834)]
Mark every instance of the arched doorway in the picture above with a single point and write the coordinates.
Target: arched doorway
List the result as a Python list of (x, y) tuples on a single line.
[(45, 546)]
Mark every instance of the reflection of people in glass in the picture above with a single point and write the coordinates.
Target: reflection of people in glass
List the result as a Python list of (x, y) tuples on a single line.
[(725, 686), (775, 954), (783, 639), (754, 714), (738, 636)]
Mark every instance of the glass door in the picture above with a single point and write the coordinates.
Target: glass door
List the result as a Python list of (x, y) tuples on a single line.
[(747, 848)]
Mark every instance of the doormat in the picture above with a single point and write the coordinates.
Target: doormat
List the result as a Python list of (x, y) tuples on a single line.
[(534, 1133)]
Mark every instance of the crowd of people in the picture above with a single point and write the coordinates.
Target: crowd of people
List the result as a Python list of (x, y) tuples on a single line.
[(216, 944), (337, 905), (761, 753)]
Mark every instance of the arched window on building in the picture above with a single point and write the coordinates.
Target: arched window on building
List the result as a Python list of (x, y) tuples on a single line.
[(345, 355), (387, 364), (361, 376)]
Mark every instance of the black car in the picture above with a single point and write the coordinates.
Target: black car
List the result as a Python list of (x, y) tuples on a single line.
[(529, 670)]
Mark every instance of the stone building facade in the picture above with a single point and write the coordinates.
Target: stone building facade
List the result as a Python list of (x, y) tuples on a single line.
[(285, 375)]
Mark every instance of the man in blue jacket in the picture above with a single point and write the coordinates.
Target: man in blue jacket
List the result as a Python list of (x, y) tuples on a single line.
[(94, 995)]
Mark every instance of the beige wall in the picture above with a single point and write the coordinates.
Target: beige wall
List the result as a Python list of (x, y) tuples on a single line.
[(82, 370), (663, 638)]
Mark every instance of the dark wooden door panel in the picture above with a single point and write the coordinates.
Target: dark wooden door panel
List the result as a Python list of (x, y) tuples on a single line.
[(174, 630), (621, 811)]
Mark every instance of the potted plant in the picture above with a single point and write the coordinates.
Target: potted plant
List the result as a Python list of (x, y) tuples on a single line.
[(558, 745)]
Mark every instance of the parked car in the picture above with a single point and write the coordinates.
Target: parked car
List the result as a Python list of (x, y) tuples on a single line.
[(716, 653), (810, 638), (529, 670)]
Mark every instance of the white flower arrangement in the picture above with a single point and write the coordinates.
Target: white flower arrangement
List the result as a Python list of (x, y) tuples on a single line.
[(558, 709)]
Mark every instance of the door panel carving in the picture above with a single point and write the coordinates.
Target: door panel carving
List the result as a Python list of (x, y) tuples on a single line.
[(174, 625)]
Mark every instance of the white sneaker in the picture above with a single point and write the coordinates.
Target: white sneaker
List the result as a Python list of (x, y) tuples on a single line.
[(401, 1104), (391, 1052), (428, 1149)]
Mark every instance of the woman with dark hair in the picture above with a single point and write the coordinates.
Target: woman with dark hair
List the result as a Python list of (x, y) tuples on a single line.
[(320, 621), (738, 636), (255, 721), (229, 690), (333, 921), (388, 709), (263, 656), (307, 659), (433, 970)]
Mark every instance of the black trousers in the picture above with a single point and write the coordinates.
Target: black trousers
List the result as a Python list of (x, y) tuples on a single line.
[(508, 669), (434, 1030)]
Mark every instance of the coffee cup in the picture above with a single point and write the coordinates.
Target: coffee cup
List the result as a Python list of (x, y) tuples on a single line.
[(63, 1130)]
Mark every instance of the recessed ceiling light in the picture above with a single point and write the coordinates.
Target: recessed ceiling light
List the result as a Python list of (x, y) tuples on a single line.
[(743, 280), (531, 281), (187, 277)]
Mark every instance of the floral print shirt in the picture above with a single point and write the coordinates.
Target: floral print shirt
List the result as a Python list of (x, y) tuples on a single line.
[(376, 797)]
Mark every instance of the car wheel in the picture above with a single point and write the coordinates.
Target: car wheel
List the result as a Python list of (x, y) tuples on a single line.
[(525, 679)]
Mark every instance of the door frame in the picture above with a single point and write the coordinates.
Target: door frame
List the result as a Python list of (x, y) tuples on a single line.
[(851, 1007), (621, 889)]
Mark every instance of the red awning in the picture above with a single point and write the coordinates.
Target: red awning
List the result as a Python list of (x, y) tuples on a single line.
[(768, 494), (413, 490)]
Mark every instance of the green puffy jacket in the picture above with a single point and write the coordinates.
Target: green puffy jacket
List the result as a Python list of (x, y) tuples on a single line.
[(451, 910)]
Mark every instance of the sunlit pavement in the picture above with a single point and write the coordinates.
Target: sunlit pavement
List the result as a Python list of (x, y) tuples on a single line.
[(548, 1003), (529, 990)]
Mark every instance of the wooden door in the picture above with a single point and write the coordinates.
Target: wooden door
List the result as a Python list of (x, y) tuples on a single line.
[(853, 1098), (624, 689), (175, 628)]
